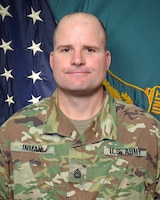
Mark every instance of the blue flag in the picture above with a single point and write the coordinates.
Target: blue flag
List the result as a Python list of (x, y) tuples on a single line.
[(134, 41), (25, 43)]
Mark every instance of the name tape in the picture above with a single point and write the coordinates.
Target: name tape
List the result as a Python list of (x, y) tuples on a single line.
[(126, 151), (21, 147)]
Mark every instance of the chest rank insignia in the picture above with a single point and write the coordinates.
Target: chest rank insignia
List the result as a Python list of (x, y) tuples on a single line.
[(77, 173)]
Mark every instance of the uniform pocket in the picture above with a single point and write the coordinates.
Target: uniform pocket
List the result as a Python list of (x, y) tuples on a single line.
[(31, 172), (126, 178)]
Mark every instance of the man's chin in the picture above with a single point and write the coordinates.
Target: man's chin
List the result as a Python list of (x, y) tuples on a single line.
[(81, 92)]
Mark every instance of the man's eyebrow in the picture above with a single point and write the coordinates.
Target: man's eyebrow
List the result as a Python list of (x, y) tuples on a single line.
[(64, 46), (91, 46)]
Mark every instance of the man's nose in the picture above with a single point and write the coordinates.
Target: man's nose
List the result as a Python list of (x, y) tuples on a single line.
[(77, 58)]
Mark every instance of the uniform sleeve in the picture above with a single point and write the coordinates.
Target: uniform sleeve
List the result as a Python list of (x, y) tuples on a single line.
[(158, 177), (157, 192), (4, 175)]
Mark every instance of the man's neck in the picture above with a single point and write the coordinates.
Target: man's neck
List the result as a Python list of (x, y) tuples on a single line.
[(80, 107)]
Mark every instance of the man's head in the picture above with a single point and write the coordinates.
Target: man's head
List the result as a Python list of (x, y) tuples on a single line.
[(88, 15), (80, 59)]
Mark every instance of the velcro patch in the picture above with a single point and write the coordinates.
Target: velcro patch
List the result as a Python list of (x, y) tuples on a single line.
[(36, 148), (126, 151)]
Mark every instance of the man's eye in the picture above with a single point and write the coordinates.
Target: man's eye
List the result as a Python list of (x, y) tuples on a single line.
[(90, 50), (65, 50)]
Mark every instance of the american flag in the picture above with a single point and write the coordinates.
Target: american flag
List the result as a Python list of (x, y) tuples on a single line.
[(26, 29)]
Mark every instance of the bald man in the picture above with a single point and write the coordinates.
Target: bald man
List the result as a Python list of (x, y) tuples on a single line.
[(80, 143)]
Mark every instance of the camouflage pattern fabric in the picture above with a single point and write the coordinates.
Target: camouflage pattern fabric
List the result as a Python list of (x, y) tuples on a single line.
[(42, 156)]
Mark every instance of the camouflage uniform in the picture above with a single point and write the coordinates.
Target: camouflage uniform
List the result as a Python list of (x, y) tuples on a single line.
[(43, 156)]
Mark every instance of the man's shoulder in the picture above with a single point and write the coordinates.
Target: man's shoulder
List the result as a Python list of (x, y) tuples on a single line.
[(133, 112), (29, 112), (35, 107), (122, 105)]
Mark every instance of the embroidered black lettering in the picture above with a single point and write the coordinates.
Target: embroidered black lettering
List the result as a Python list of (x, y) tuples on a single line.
[(118, 151), (26, 147), (35, 149), (32, 148), (111, 150), (131, 151), (139, 152), (136, 151), (126, 152), (39, 149)]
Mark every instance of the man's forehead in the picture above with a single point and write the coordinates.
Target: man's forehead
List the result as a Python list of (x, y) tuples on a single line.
[(79, 18)]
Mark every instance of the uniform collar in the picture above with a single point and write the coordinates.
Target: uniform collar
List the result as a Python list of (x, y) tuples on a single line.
[(104, 125)]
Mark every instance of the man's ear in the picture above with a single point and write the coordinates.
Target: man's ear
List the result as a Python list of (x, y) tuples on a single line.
[(108, 59), (51, 59)]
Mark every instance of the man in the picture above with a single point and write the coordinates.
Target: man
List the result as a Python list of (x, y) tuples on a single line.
[(81, 143)]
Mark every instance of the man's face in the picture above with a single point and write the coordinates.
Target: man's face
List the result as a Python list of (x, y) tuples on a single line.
[(79, 61)]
